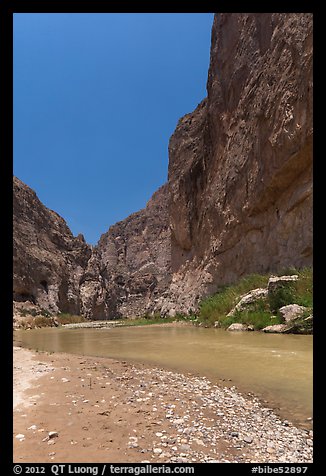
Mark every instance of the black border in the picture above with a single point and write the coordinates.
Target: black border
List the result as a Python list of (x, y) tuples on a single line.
[(6, 189), (7, 9), (103, 6)]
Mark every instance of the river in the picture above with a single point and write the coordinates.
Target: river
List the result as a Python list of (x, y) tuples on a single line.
[(277, 368)]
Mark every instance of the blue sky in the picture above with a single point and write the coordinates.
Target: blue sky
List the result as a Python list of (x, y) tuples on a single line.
[(96, 99)]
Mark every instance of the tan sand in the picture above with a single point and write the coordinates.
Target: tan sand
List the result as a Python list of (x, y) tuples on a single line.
[(105, 410)]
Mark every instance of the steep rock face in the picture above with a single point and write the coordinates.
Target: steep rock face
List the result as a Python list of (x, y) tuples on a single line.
[(130, 267), (48, 260), (238, 198), (240, 165), (122, 276)]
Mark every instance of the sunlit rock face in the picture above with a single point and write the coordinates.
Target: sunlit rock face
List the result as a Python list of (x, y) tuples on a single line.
[(48, 261), (238, 198), (130, 267), (122, 276), (240, 165)]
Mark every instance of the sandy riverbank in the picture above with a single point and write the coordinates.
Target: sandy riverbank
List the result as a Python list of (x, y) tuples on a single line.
[(106, 410)]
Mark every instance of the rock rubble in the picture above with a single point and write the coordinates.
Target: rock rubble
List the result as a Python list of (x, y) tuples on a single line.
[(157, 415)]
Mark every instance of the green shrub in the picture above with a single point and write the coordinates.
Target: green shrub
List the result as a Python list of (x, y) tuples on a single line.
[(156, 318), (282, 295), (152, 317), (26, 323), (297, 292), (146, 320), (45, 313), (66, 318), (304, 288), (215, 308), (28, 312), (38, 321), (301, 326), (255, 314), (260, 313), (42, 321), (258, 319), (34, 312)]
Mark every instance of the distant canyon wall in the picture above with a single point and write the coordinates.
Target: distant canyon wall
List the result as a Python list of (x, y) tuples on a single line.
[(130, 266), (48, 261), (122, 276), (238, 198)]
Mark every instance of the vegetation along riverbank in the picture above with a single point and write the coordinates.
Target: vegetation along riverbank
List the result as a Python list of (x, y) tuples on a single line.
[(282, 303)]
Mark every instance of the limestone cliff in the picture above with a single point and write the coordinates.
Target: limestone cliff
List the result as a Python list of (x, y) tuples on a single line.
[(240, 165), (238, 198), (122, 276), (48, 260), (130, 267)]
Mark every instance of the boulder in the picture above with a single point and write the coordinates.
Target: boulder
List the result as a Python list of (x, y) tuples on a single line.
[(302, 325), (236, 326), (249, 298), (276, 329), (172, 313), (276, 282), (292, 312)]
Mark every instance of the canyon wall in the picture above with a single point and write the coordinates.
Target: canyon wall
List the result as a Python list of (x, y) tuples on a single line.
[(122, 276), (240, 165), (238, 198), (130, 266), (48, 261)]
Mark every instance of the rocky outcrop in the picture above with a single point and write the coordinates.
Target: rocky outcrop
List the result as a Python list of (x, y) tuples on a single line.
[(48, 261), (275, 283), (296, 326), (130, 268), (293, 317), (240, 165), (276, 329), (57, 272), (238, 327), (292, 311), (238, 198), (247, 299)]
